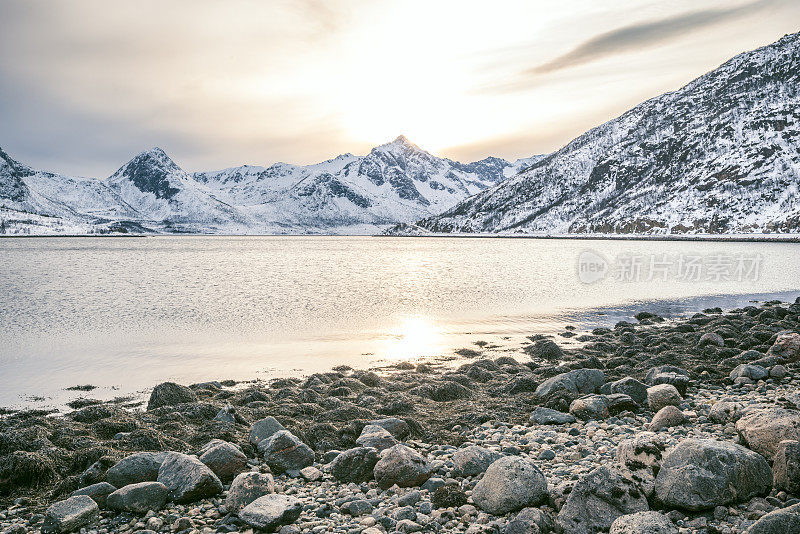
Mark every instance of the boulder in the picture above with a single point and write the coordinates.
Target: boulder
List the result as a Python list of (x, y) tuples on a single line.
[(782, 521), (590, 407), (376, 437), (619, 402), (272, 511), (531, 521), (396, 427), (699, 474), (548, 416), (225, 459), (663, 395), (446, 390), (139, 467), (631, 387), (724, 412), (264, 428), (283, 451), (598, 499), (510, 484), (577, 382), (70, 514), (668, 374), (749, 371), (139, 498), (402, 466), (666, 417), (187, 479), (472, 461), (762, 430), (786, 467), (355, 465), (786, 347), (711, 338), (246, 488), (644, 451), (545, 349), (643, 523), (170, 394), (98, 492)]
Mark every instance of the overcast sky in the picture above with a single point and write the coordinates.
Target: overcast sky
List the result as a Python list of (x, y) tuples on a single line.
[(87, 84)]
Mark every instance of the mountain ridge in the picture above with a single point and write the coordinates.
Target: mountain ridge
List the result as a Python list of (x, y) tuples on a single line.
[(396, 181), (719, 155)]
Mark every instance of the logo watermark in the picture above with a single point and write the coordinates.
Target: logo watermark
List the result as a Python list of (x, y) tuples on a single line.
[(593, 267)]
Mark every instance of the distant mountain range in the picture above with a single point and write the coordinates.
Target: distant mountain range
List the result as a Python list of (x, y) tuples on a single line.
[(395, 182), (720, 155)]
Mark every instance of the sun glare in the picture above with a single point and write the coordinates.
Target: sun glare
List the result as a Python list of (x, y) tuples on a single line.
[(413, 338)]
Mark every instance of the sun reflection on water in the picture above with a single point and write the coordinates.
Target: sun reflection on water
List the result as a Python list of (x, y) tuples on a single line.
[(414, 337)]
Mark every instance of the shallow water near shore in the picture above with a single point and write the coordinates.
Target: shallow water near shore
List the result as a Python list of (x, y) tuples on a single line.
[(125, 314)]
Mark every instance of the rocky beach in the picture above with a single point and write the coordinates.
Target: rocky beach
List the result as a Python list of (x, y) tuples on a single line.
[(650, 427)]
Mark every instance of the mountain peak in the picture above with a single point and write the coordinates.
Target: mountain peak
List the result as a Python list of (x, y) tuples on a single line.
[(151, 172)]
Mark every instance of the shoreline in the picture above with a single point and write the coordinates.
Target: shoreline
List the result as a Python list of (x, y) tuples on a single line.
[(711, 238), (437, 412)]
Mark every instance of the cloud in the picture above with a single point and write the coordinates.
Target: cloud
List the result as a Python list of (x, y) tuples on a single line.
[(646, 34)]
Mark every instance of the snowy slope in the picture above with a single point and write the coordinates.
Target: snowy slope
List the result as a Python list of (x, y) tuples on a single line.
[(720, 155)]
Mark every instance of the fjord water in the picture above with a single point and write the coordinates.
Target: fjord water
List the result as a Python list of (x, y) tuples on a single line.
[(126, 313)]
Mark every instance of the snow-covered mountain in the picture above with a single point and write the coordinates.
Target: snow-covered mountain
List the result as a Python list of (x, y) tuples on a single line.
[(395, 182), (720, 155)]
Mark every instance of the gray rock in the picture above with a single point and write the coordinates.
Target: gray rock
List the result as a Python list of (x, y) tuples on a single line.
[(786, 467), (264, 428), (778, 371), (663, 395), (170, 394), (70, 514), (396, 427), (225, 459), (473, 460), (246, 488), (531, 521), (644, 451), (98, 492), (699, 474), (619, 402), (187, 479), (746, 370), (510, 484), (711, 338), (357, 507), (283, 451), (724, 412), (139, 498), (139, 467), (762, 430), (786, 347), (355, 465), (226, 414), (666, 417), (590, 407), (631, 387), (782, 521), (548, 416), (271, 512), (598, 499), (643, 523), (402, 466), (578, 382), (376, 437), (311, 473), (669, 374)]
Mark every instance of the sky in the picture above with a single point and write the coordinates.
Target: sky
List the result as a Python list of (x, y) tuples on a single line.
[(87, 84)]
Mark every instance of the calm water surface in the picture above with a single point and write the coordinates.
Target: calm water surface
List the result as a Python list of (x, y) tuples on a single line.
[(126, 313)]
